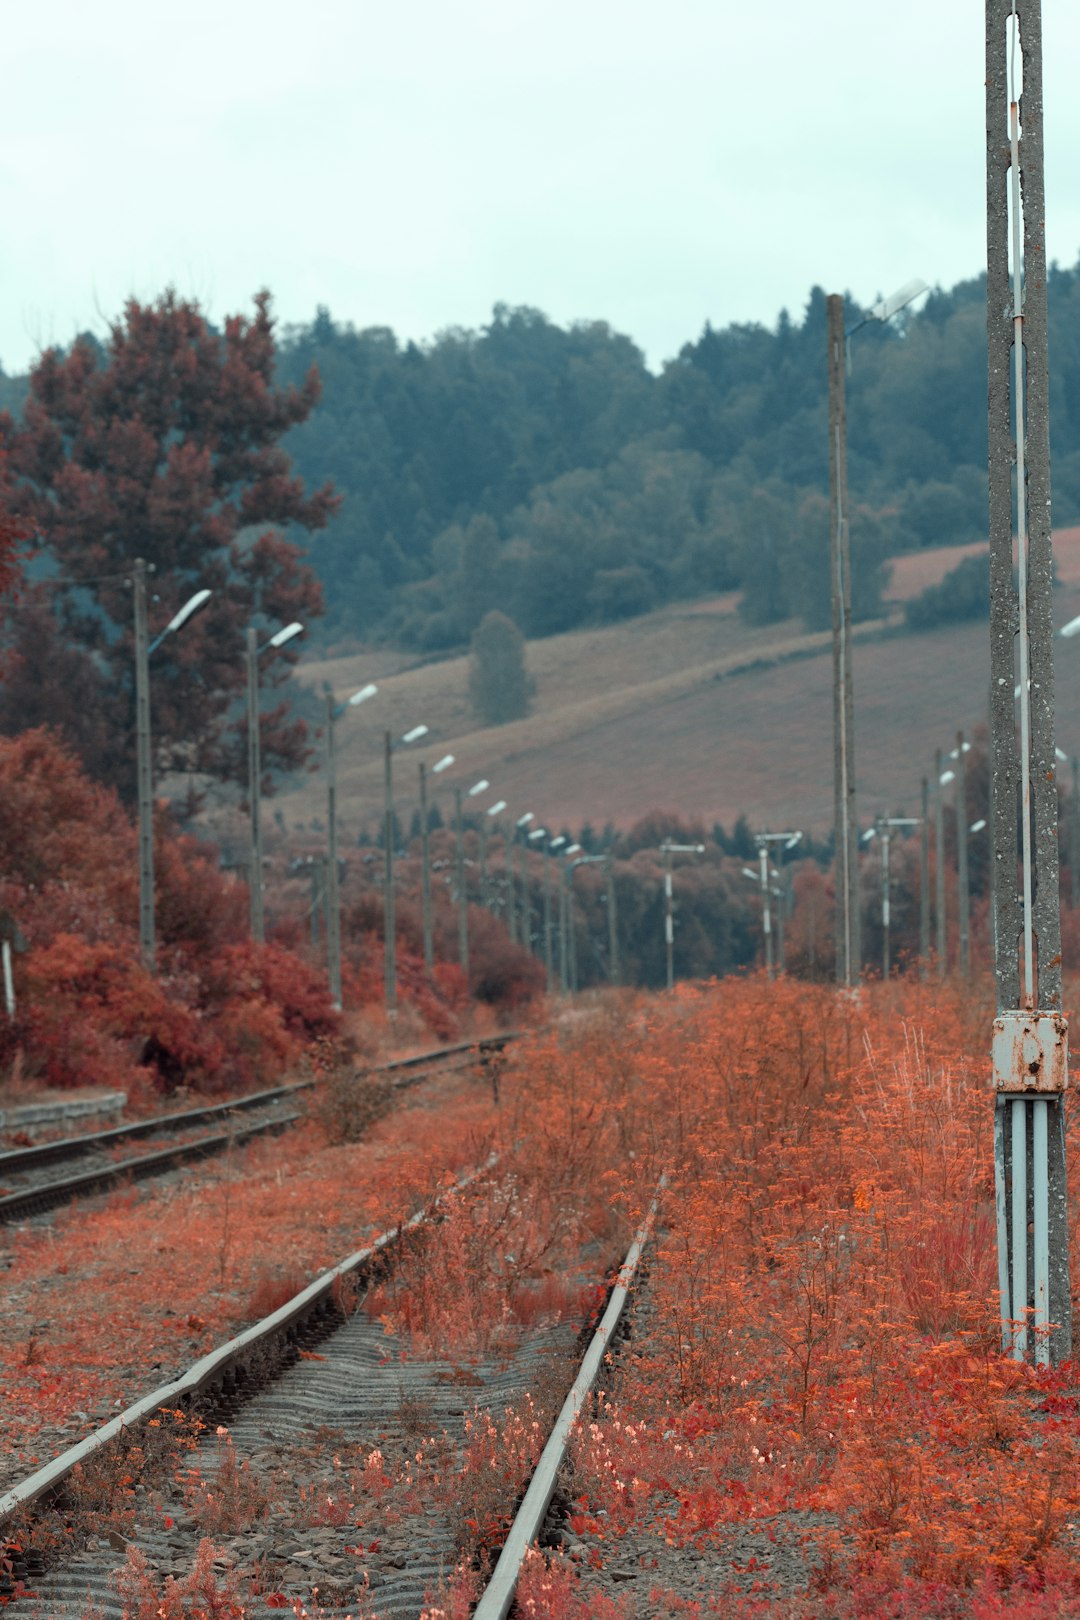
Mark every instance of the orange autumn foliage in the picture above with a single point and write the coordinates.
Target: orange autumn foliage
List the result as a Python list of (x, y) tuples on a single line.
[(220, 1013)]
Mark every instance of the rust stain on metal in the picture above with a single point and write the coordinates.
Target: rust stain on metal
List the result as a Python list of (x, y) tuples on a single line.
[(1030, 1052)]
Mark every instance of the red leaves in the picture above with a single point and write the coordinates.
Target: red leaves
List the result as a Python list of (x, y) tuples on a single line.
[(163, 443)]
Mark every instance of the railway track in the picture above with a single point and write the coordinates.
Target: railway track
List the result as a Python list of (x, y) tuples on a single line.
[(36, 1179), (314, 1395)]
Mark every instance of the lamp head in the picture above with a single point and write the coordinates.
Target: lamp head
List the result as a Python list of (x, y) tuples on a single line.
[(191, 606), (280, 637)]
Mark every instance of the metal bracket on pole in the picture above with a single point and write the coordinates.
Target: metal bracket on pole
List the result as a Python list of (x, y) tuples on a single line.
[(1029, 1047)]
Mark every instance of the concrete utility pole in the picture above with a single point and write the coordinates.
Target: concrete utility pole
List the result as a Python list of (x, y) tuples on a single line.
[(428, 924), (254, 752), (1030, 1035), (845, 819), (550, 844), (333, 895), (144, 770), (525, 928), (389, 922), (612, 921), (389, 899), (489, 888), (462, 898), (939, 869), (784, 841), (669, 850), (255, 892), (1074, 836), (144, 765), (963, 888), (425, 859), (924, 883), (882, 830), (848, 950), (334, 711)]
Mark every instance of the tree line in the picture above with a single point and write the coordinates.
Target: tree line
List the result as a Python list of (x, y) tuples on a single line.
[(545, 472)]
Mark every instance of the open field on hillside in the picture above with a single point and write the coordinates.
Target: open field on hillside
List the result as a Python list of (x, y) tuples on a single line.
[(688, 709)]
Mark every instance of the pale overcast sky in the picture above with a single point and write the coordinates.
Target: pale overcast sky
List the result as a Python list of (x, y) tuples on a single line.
[(409, 164)]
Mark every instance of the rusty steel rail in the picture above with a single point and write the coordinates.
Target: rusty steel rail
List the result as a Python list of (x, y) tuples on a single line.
[(246, 1359), (498, 1595), (71, 1147), (47, 1195)]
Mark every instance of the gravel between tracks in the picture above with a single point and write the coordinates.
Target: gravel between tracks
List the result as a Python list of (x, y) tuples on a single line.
[(308, 1442)]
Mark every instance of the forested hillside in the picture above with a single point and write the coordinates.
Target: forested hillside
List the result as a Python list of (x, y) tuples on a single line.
[(548, 473)]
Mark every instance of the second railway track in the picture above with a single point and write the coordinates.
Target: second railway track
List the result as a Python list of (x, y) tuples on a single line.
[(42, 1177)]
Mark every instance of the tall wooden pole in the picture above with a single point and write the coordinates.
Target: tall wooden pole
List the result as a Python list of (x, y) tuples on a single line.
[(845, 822)]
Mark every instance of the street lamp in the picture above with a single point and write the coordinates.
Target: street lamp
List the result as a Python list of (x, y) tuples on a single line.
[(941, 780), (144, 769), (785, 841), (549, 946), (669, 849), (485, 899), (882, 829), (566, 942), (531, 838), (525, 930), (425, 862), (334, 711), (845, 820), (463, 899), (254, 652), (389, 923), (608, 863)]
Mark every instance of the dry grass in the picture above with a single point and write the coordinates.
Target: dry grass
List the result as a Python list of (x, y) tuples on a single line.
[(686, 708)]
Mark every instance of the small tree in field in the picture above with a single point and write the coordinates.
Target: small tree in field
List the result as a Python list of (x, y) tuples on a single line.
[(499, 684)]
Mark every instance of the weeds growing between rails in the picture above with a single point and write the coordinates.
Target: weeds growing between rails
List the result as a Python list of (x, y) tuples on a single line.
[(821, 1346)]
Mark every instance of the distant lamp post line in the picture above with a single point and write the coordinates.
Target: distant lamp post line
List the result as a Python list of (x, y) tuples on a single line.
[(254, 652), (144, 767), (437, 769), (389, 921), (334, 712)]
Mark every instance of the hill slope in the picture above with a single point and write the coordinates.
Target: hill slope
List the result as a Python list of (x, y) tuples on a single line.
[(684, 709)]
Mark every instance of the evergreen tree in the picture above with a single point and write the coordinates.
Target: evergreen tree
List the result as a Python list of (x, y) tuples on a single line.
[(499, 685)]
